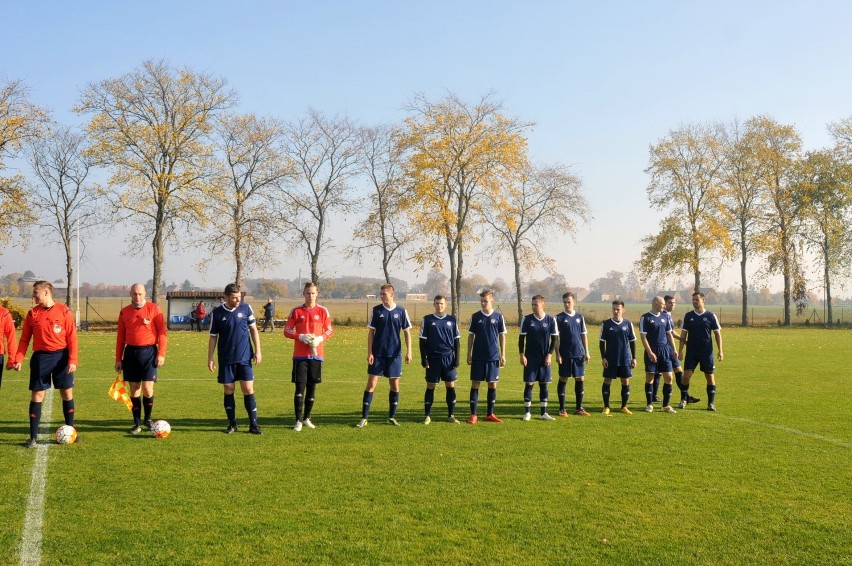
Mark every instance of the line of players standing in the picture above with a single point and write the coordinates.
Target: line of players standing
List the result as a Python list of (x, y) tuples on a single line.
[(141, 345)]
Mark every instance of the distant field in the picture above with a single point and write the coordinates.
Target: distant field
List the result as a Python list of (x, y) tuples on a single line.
[(765, 480), (104, 310)]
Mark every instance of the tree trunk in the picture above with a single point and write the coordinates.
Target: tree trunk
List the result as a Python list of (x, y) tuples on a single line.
[(157, 245), (744, 282), (69, 273), (454, 283), (518, 285), (238, 258), (830, 315)]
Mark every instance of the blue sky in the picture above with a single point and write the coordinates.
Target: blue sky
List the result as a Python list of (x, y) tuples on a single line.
[(602, 81)]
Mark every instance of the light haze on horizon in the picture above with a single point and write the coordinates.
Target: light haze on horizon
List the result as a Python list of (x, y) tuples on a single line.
[(601, 81)]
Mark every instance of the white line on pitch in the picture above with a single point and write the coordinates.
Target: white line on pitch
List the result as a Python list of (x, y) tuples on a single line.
[(34, 518), (788, 429)]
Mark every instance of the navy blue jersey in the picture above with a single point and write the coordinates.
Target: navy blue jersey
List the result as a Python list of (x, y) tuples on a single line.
[(699, 328), (440, 333), (387, 324), (571, 329), (618, 336), (538, 332), (232, 328), (656, 327), (486, 329)]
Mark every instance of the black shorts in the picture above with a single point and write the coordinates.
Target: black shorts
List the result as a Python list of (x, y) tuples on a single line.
[(139, 363), (306, 371), (50, 366)]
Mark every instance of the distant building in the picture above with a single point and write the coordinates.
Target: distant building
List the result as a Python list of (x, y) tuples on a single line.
[(415, 296)]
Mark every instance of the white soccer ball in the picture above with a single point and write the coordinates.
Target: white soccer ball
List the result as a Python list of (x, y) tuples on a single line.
[(65, 434), (161, 429)]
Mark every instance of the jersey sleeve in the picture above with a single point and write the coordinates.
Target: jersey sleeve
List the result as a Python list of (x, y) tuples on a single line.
[(26, 334), (162, 332), (10, 335), (120, 337)]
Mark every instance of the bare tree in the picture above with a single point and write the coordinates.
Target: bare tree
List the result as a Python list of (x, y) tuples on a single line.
[(325, 154), (251, 170), (61, 191), (385, 230), (530, 212), (152, 127)]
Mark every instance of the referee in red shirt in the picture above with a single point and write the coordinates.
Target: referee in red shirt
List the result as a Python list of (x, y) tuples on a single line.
[(54, 334), (140, 348)]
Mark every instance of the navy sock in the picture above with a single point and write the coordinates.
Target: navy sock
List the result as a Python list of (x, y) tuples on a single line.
[(492, 400), (711, 393), (543, 397), (35, 417), (393, 403), (310, 394), (649, 393), (299, 400), (560, 392), (136, 410), (605, 393), (528, 387), (579, 391), (451, 401), (667, 394), (656, 387), (365, 405), (68, 411), (474, 400), (625, 395), (148, 406), (251, 408), (679, 383), (230, 408), (428, 399)]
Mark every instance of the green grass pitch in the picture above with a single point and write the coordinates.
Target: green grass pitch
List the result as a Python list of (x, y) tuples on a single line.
[(765, 480)]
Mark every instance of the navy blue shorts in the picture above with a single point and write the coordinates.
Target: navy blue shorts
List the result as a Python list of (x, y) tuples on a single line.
[(306, 371), (488, 372), (613, 372), (386, 367), (230, 373), (706, 361), (572, 367), (50, 366), (441, 369), (537, 373), (663, 363), (139, 363)]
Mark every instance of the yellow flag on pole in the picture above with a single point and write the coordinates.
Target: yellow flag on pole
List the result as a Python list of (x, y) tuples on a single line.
[(118, 392)]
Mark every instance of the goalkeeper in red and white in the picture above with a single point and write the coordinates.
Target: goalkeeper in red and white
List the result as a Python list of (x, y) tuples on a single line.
[(309, 326)]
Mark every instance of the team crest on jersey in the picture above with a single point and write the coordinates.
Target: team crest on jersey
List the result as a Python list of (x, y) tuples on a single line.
[(395, 315), (493, 321), (449, 323), (623, 327), (239, 315), (146, 320), (577, 320), (316, 317), (57, 328)]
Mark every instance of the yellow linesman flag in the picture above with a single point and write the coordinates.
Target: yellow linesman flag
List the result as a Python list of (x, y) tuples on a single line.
[(118, 392)]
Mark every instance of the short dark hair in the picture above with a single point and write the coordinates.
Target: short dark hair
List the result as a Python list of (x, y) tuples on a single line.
[(387, 286), (486, 292), (310, 284), (439, 298), (43, 285), (232, 288), (569, 294), (618, 302), (698, 293), (537, 298), (668, 298)]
